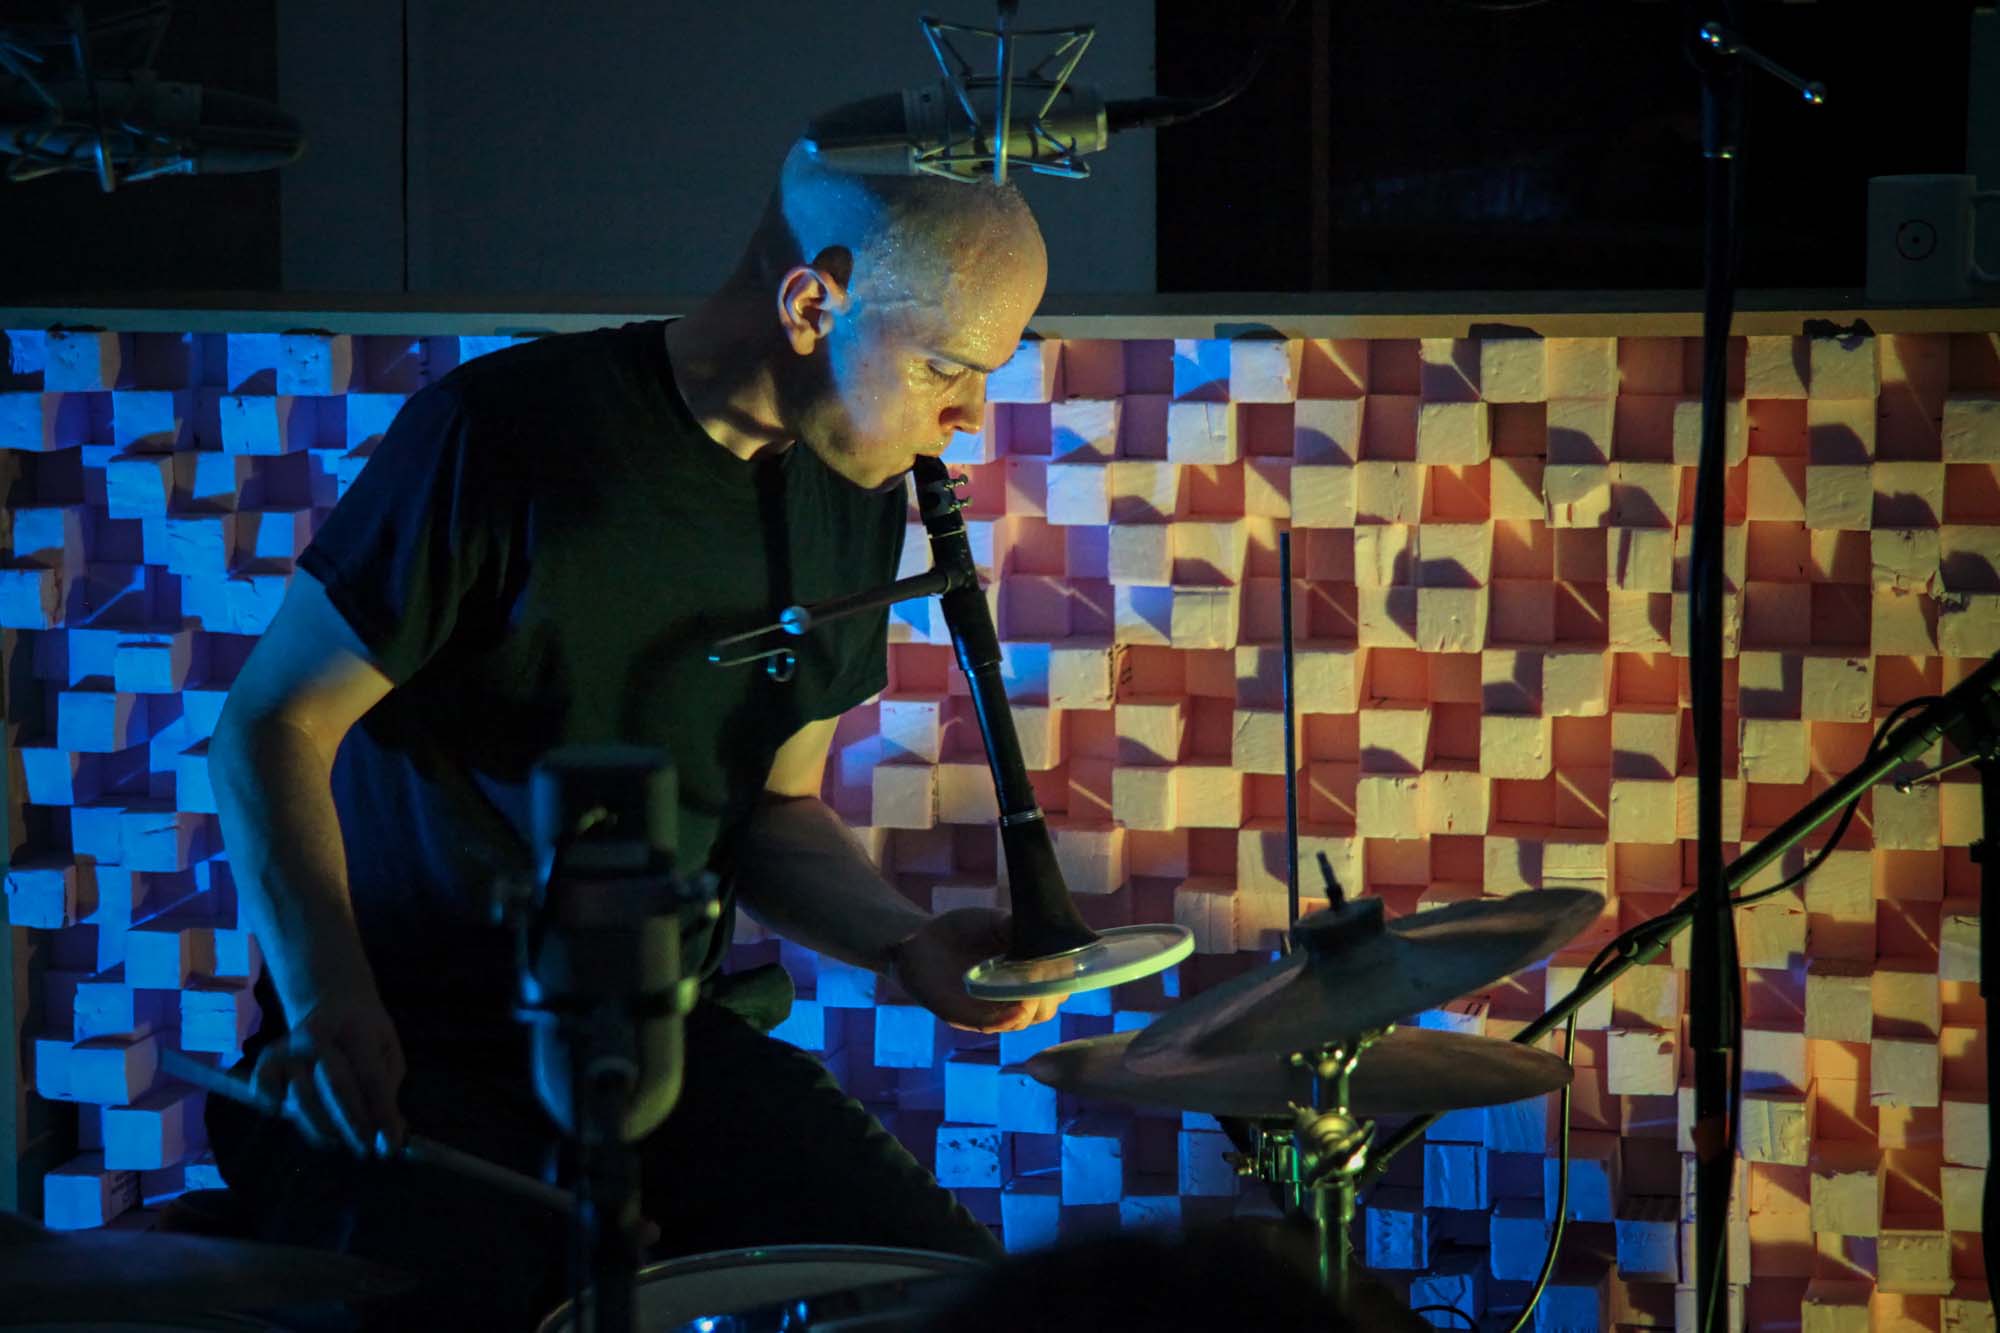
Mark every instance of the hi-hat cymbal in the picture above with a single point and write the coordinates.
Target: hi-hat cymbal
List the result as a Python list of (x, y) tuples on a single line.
[(1410, 1070), (72, 1275), (1353, 973)]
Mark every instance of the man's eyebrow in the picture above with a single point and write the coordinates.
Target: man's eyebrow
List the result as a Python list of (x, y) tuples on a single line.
[(969, 365)]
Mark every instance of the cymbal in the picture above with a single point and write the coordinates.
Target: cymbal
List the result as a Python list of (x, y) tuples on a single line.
[(75, 1275), (1408, 1071), (1352, 973)]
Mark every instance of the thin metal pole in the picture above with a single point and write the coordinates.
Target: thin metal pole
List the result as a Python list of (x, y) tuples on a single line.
[(1291, 743)]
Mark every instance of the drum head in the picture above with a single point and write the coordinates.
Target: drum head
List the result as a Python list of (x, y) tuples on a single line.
[(677, 1292)]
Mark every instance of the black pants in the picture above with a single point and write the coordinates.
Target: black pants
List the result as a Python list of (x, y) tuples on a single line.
[(762, 1149)]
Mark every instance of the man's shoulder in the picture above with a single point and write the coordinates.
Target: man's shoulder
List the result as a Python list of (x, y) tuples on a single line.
[(547, 372)]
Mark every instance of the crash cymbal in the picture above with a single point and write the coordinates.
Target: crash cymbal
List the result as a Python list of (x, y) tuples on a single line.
[(1352, 973), (1409, 1071), (73, 1275)]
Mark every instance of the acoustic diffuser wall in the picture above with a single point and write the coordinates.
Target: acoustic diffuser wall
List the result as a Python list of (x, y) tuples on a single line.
[(1490, 540)]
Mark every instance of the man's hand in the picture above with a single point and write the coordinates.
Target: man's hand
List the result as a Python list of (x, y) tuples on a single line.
[(932, 963), (336, 1073)]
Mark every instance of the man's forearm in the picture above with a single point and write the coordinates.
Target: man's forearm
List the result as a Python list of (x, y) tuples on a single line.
[(801, 871), (275, 801)]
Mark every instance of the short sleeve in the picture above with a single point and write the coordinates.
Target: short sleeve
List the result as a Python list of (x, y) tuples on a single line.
[(418, 533)]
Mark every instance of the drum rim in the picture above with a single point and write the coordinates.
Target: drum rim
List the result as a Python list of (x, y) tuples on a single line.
[(764, 1256), (756, 1256)]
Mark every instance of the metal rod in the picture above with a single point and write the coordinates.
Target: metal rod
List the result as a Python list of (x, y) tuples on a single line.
[(416, 1148), (1291, 743)]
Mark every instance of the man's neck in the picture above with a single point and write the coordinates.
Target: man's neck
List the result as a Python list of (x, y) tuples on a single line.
[(721, 363)]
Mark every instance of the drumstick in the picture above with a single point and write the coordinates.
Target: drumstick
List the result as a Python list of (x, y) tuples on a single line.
[(416, 1148)]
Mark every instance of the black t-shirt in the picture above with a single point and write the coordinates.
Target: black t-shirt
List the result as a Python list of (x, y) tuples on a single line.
[(540, 553)]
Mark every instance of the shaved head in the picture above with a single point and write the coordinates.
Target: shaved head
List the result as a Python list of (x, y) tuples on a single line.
[(897, 295), (906, 242)]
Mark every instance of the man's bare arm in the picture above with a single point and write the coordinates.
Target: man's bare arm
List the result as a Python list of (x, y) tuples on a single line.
[(803, 873), (271, 759)]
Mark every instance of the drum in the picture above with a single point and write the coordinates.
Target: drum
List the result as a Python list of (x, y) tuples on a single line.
[(782, 1287)]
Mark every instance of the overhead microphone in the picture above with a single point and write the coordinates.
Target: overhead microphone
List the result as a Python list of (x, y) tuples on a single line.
[(970, 126)]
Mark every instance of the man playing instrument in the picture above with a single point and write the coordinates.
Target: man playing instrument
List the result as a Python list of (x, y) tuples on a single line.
[(538, 554)]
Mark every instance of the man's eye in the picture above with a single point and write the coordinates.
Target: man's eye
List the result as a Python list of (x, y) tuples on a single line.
[(946, 373)]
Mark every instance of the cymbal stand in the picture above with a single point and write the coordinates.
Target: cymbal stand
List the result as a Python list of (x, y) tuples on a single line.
[(1316, 1161)]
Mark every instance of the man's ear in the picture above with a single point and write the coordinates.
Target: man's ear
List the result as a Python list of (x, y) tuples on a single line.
[(811, 296)]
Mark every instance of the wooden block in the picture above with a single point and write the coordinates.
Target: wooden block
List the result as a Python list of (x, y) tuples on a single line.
[(1840, 431), (1580, 430), (1641, 1062), (1964, 1132), (1385, 492), (1839, 496), (1210, 796), (1326, 495), (1909, 820), (1576, 495), (1963, 1190), (1327, 430), (1834, 1306), (1641, 559), (1145, 797), (1394, 738), (1397, 1229), (1206, 905), (1079, 676), (1595, 1178), (156, 1131), (1969, 624), (1576, 684), (1455, 802), (1201, 433), (1647, 1230), (1958, 940), (1451, 620), (1513, 370), (1515, 747), (1843, 367), (1205, 618), (1452, 434), (1913, 1256), (1031, 375), (1514, 489), (1643, 810), (1847, 1188), (965, 794), (1838, 1001), (904, 796), (1776, 1128), (1967, 1309), (1094, 1149), (1140, 490), (1079, 494), (1906, 1001), (83, 1193), (1836, 689), (1775, 489), (1649, 996), (1264, 370), (1385, 555), (1582, 368), (1687, 432), (1207, 552), (1903, 1072), (1083, 430), (1971, 428)]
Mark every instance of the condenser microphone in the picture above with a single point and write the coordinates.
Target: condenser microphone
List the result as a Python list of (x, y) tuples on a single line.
[(968, 126)]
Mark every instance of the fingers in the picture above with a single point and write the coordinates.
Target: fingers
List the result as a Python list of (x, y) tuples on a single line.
[(306, 1108), (340, 1092)]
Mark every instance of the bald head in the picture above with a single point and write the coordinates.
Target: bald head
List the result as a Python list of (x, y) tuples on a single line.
[(883, 303), (919, 244)]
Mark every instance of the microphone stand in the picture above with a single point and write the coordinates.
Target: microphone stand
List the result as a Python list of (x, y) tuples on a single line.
[(598, 958), (1970, 715), (1714, 981)]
